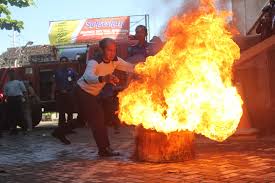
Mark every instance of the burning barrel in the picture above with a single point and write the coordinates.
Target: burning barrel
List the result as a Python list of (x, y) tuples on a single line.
[(153, 146)]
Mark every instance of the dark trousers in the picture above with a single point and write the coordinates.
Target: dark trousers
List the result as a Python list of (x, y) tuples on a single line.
[(64, 105), (91, 111), (15, 112)]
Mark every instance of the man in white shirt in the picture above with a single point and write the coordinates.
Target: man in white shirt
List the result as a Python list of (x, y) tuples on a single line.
[(99, 71), (14, 90)]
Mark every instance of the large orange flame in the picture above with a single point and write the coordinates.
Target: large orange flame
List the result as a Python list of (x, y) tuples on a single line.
[(187, 85)]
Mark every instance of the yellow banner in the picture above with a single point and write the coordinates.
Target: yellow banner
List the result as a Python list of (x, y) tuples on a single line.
[(64, 32), (88, 30)]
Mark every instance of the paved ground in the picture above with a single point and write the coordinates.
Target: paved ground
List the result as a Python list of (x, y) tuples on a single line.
[(38, 157)]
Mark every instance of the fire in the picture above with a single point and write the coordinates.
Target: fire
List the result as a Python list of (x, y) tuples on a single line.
[(187, 85)]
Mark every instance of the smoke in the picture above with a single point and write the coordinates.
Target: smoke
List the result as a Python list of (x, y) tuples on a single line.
[(176, 8), (185, 6), (162, 11), (188, 6)]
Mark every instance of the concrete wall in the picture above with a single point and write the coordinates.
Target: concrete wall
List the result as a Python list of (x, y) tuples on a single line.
[(246, 13)]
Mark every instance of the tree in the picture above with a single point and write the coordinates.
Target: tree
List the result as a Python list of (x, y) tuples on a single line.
[(6, 21)]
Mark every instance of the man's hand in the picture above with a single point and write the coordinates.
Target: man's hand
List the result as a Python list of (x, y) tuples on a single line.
[(110, 79)]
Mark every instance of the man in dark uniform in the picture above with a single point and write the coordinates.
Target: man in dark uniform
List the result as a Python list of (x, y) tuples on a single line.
[(139, 52), (65, 82)]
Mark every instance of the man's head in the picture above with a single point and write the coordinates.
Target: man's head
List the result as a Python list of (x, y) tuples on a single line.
[(61, 65), (141, 33), (108, 47), (11, 75)]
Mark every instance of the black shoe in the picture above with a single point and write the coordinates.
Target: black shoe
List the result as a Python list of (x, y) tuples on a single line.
[(2, 171), (61, 137), (107, 152)]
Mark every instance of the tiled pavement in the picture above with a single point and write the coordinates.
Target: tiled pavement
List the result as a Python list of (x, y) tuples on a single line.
[(38, 157)]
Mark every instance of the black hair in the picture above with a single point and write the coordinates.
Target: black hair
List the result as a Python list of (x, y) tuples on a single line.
[(142, 27), (103, 43)]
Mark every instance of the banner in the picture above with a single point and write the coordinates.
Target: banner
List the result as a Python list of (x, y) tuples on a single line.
[(88, 30)]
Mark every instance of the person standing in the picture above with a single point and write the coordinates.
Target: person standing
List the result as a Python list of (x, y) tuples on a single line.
[(65, 82), (31, 99), (27, 108), (64, 85), (139, 52), (15, 92), (98, 72)]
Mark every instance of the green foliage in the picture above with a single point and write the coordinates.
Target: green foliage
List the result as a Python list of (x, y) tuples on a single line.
[(17, 3), (6, 21)]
